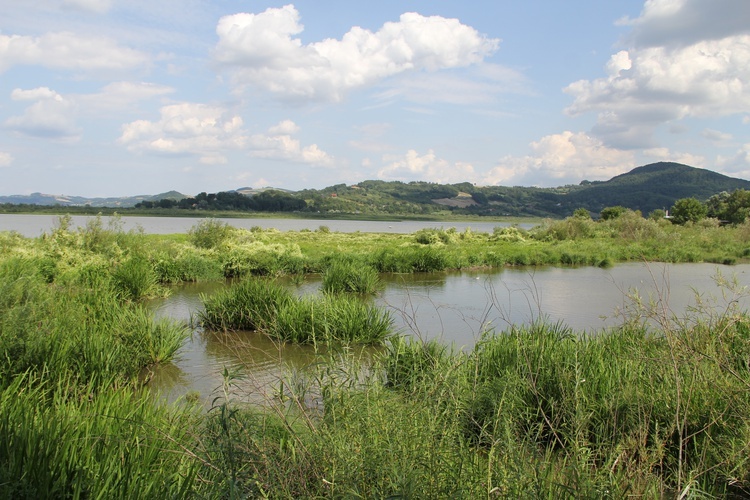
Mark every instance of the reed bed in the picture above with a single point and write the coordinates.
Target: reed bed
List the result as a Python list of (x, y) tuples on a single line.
[(534, 412), (269, 308), (342, 276)]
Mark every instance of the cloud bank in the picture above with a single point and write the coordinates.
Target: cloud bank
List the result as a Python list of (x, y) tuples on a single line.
[(679, 66), (261, 50), (209, 132)]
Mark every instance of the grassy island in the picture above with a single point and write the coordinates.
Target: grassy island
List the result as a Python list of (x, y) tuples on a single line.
[(657, 407)]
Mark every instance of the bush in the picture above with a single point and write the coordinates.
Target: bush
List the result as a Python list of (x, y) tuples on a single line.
[(210, 233)]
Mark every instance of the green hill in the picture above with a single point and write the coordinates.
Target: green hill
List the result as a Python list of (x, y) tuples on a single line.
[(654, 186), (646, 188)]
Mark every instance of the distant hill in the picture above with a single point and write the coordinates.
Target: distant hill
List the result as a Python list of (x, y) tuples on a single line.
[(80, 201), (654, 186), (646, 188)]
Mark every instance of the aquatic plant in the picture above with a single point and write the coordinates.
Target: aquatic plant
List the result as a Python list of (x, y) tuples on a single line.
[(252, 304), (342, 276)]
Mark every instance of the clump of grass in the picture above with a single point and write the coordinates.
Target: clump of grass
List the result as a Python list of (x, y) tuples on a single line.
[(328, 319), (135, 279), (252, 304), (409, 363), (349, 277), (437, 236), (187, 266), (268, 307)]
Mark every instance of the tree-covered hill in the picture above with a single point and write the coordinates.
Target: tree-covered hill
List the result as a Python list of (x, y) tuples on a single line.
[(646, 188), (654, 186)]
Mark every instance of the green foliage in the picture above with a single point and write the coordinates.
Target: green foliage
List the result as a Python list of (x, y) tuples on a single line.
[(332, 318), (62, 441), (269, 308), (736, 207), (688, 210), (582, 213), (210, 233), (657, 214), (135, 279), (608, 213), (657, 407), (433, 236), (344, 276), (252, 304)]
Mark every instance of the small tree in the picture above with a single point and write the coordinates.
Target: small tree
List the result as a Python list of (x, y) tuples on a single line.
[(612, 212), (737, 207), (581, 213), (688, 209)]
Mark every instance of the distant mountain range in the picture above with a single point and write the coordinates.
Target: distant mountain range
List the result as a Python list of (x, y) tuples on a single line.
[(114, 202), (646, 188)]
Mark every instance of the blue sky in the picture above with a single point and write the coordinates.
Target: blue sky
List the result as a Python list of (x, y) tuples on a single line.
[(118, 98)]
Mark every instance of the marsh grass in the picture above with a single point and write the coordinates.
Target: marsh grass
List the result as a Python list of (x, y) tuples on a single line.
[(135, 279), (658, 407), (652, 409), (270, 308), (61, 441), (252, 304), (342, 276)]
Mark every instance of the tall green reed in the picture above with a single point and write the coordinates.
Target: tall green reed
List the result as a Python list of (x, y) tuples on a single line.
[(60, 440), (343, 276)]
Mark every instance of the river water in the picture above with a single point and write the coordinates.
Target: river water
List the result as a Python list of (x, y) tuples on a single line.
[(455, 308), (31, 226)]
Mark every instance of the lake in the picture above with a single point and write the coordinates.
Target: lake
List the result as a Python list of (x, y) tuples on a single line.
[(31, 225), (455, 308)]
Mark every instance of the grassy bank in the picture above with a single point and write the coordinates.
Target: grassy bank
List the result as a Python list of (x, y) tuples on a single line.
[(213, 250), (659, 407)]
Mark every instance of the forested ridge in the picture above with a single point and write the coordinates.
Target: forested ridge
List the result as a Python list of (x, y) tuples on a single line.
[(651, 187)]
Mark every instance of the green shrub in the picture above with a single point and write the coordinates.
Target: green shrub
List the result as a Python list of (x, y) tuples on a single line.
[(210, 233), (433, 236)]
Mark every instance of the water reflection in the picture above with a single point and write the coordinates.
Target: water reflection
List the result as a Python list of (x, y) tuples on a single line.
[(454, 307)]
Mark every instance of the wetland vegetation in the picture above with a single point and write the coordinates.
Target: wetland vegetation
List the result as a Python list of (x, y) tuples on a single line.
[(656, 407)]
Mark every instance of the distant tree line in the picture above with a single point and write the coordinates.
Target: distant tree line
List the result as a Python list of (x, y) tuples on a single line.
[(266, 201)]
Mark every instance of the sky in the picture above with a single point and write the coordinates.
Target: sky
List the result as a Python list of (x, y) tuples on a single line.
[(130, 97)]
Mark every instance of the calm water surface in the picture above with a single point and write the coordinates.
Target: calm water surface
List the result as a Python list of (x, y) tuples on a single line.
[(34, 225), (452, 307)]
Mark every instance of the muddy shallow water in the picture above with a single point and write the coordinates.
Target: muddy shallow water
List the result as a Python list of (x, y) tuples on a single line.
[(454, 307)]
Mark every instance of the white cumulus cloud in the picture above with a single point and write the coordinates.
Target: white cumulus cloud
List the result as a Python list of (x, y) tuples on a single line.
[(51, 115), (427, 167), (262, 50), (671, 74), (561, 159), (209, 131), (685, 22)]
